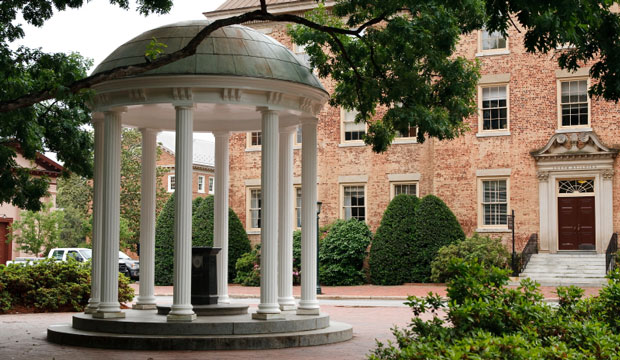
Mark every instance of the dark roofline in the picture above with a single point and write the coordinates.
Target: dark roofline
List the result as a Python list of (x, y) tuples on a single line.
[(281, 8)]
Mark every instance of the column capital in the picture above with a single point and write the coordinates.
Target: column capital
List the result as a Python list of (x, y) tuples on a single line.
[(149, 131), (288, 129), (116, 110), (309, 121), (183, 104), (221, 134), (266, 110), (97, 117)]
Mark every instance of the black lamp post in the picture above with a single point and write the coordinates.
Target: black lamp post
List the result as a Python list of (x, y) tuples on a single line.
[(318, 282)]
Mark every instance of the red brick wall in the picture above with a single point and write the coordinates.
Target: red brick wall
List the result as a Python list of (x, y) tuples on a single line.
[(166, 159)]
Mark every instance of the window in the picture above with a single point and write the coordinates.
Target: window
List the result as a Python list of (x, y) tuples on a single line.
[(298, 207), (298, 135), (576, 187), (254, 139), (300, 52), (494, 203), (574, 103), (492, 41), (412, 132), (201, 184), (409, 188), (353, 205), (171, 183), (351, 131), (211, 185), (254, 201), (494, 108)]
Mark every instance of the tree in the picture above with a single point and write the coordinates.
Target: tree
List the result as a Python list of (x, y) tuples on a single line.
[(74, 198), (38, 232), (131, 184), (398, 55), (393, 247)]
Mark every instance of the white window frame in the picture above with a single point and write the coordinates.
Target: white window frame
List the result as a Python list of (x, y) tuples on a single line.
[(248, 144), (170, 188), (393, 185), (559, 102), (481, 180), (211, 185), (297, 206), (342, 212), (201, 189), (297, 131), (481, 130), (248, 208), (342, 130), (485, 52)]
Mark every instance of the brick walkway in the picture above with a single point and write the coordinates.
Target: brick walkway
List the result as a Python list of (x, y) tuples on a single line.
[(360, 292)]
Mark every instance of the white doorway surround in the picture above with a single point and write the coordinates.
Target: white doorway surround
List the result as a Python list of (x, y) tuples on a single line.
[(575, 156)]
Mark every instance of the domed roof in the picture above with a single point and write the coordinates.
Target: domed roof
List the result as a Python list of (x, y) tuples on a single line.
[(232, 50)]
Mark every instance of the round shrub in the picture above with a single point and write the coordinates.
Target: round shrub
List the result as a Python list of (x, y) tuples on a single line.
[(486, 250), (202, 235), (343, 252), (391, 253), (434, 226), (49, 286), (248, 268)]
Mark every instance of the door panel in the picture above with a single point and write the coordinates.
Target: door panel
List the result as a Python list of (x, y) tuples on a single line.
[(4, 244), (576, 230)]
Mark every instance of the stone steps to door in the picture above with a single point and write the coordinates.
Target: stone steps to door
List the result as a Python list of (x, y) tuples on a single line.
[(579, 268)]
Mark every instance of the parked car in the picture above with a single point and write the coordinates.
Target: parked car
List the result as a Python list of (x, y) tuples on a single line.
[(126, 265), (24, 260)]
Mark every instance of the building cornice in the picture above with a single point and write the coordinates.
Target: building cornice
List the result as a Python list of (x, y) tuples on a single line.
[(285, 8)]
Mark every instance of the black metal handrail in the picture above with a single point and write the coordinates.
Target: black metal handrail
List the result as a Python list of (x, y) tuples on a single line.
[(610, 254), (530, 249)]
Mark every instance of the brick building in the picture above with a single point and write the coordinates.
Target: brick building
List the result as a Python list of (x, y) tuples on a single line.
[(539, 146), (203, 165)]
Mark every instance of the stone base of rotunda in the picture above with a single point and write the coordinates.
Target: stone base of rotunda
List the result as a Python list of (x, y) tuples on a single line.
[(146, 330)]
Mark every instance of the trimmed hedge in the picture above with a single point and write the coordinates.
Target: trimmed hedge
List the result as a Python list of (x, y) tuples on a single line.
[(50, 286), (343, 252), (202, 235), (248, 268), (434, 226), (392, 250), (487, 251)]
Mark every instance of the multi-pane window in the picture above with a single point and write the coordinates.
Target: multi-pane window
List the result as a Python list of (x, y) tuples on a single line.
[(574, 102), (493, 41), (255, 208), (354, 202), (255, 138), (211, 185), (494, 108), (352, 131), (406, 188), (171, 183), (201, 184), (494, 202), (412, 131), (298, 135), (298, 207)]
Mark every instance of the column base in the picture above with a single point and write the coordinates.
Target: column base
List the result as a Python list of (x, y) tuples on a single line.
[(223, 299), (288, 307), (181, 317), (109, 315), (91, 308), (316, 311), (144, 306), (263, 316)]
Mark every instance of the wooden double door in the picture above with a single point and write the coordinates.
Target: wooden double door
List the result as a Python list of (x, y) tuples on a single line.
[(5, 245), (576, 221)]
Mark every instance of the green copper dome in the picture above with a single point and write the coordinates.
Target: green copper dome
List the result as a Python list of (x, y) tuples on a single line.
[(233, 50)]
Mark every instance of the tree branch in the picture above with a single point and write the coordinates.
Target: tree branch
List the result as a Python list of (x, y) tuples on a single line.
[(189, 50)]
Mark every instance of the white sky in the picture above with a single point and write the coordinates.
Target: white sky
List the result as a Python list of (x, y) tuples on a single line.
[(98, 28)]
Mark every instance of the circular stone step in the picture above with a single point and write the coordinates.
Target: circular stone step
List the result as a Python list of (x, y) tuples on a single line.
[(66, 335), (210, 310), (148, 322)]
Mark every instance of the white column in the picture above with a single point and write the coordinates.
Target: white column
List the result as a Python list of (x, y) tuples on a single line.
[(181, 309), (220, 216), (285, 229), (607, 208), (95, 278), (308, 304), (109, 306), (268, 307), (543, 195), (146, 299)]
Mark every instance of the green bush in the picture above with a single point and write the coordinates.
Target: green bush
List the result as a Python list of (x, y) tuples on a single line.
[(484, 319), (392, 250), (202, 235), (297, 257), (484, 249), (434, 226), (343, 252), (48, 286), (248, 268)]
